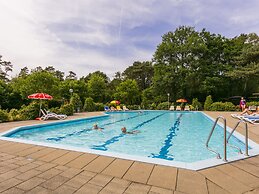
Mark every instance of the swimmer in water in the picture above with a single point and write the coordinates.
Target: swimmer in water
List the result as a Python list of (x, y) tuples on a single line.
[(95, 127), (124, 131)]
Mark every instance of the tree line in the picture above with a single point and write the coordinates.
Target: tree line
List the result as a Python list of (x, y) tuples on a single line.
[(186, 64)]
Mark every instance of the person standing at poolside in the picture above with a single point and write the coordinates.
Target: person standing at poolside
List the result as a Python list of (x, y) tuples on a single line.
[(242, 104)]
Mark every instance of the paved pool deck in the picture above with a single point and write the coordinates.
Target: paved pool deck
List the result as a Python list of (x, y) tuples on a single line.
[(26, 168)]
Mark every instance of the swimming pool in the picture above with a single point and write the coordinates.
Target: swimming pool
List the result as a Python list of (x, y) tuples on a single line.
[(166, 137)]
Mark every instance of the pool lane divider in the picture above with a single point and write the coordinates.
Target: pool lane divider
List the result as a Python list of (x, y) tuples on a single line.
[(163, 153), (114, 139), (87, 130)]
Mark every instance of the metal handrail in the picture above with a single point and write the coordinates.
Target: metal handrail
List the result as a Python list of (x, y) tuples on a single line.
[(246, 136), (225, 138)]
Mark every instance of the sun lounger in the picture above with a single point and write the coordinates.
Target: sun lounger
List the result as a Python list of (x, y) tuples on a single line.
[(50, 115), (118, 108), (106, 108), (252, 108), (113, 108), (178, 108), (251, 119), (125, 108), (187, 108), (171, 108)]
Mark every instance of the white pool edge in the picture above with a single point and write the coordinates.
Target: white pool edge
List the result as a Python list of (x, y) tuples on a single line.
[(191, 166)]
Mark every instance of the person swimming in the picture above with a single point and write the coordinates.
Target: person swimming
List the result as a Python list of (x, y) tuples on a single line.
[(124, 131), (96, 127)]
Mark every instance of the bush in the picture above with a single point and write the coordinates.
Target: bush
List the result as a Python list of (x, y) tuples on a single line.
[(67, 109), (76, 102), (3, 116), (163, 106), (208, 102), (29, 112), (99, 106), (133, 107), (220, 106), (253, 103), (14, 115), (89, 104), (196, 105)]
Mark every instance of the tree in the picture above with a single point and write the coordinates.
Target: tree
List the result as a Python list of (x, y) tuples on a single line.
[(24, 72), (142, 72), (128, 92), (98, 73), (96, 88), (5, 67), (71, 75)]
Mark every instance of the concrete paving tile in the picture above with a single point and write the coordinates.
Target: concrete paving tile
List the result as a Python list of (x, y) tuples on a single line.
[(53, 155), (215, 189), (40, 190), (64, 189), (54, 182), (139, 172), (9, 174), (224, 181), (191, 182), (89, 189), (79, 180), (64, 159), (159, 190), (137, 188), (100, 180), (37, 162), (13, 190), (253, 160), (45, 167), (254, 191), (26, 167), (81, 161), (240, 175), (30, 150), (7, 184), (30, 184), (61, 167), (163, 176), (24, 161), (41, 153), (19, 147), (49, 173), (118, 168), (29, 174), (99, 164), (116, 186), (71, 172), (246, 166), (5, 169)]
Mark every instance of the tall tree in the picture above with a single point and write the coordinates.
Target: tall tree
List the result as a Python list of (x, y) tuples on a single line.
[(96, 87), (71, 75), (5, 67)]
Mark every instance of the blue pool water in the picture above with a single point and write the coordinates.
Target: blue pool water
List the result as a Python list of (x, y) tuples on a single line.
[(177, 136)]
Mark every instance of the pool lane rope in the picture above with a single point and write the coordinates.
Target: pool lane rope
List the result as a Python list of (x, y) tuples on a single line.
[(164, 151)]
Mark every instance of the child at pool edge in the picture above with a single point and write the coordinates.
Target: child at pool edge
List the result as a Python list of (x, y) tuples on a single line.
[(95, 126), (124, 130)]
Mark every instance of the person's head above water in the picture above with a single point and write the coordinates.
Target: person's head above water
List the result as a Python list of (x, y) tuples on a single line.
[(123, 130), (95, 126)]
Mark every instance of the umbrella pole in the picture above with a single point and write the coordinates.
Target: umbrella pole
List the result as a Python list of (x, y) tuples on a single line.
[(40, 108)]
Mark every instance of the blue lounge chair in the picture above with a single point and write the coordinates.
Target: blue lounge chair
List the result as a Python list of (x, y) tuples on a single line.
[(106, 108)]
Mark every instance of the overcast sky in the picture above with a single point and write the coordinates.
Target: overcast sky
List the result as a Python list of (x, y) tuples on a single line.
[(108, 35)]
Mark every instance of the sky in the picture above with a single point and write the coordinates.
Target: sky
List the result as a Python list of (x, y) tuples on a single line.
[(84, 36)]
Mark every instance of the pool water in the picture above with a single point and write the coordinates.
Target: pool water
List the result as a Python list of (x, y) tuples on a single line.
[(172, 136)]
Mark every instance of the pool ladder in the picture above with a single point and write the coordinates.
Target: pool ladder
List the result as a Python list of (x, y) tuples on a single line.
[(226, 139)]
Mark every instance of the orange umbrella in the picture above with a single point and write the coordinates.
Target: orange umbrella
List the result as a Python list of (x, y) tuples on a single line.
[(181, 100)]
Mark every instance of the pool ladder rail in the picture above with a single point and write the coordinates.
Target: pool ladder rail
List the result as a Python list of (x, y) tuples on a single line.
[(226, 139)]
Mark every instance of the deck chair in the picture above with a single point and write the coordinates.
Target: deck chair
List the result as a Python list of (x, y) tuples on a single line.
[(125, 108), (251, 119), (106, 108), (252, 108), (113, 108), (187, 108), (178, 108), (171, 108), (50, 115), (118, 108)]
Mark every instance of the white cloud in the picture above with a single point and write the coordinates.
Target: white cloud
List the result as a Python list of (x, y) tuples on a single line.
[(88, 35)]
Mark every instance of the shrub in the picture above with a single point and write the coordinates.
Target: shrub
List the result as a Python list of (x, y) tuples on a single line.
[(76, 102), (133, 107), (208, 102), (99, 106), (29, 112), (253, 103), (220, 106), (14, 115), (196, 105), (67, 109), (3, 116), (153, 106), (89, 104), (163, 106)]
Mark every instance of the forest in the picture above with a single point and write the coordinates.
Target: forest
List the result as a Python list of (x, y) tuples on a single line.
[(190, 64)]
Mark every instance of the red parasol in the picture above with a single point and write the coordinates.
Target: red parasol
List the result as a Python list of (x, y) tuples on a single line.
[(41, 96), (181, 100)]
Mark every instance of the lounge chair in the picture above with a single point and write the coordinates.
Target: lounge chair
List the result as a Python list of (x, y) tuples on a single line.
[(187, 108), (48, 115), (178, 108), (251, 119), (118, 108), (252, 108), (107, 109), (113, 108), (171, 108), (125, 108)]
